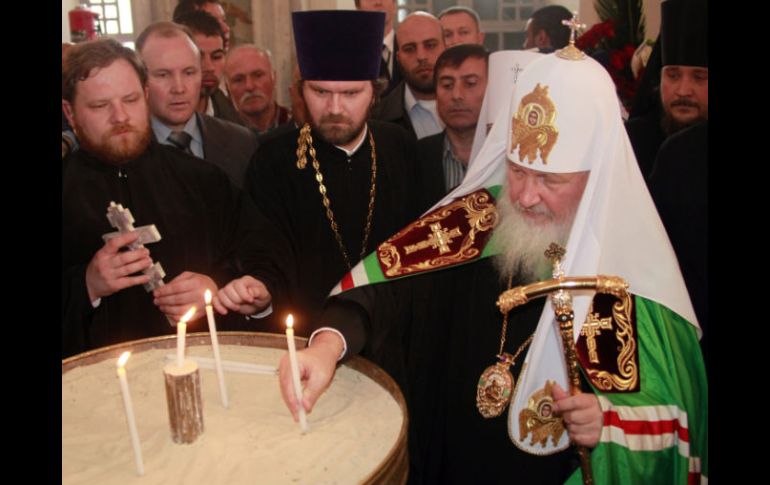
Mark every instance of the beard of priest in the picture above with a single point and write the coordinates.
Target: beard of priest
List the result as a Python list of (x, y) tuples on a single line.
[(543, 224), (111, 149), (115, 137)]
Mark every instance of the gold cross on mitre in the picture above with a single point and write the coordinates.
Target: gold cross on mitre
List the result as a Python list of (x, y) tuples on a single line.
[(571, 52), (555, 253)]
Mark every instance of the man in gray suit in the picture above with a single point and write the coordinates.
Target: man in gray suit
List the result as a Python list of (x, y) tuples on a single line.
[(174, 83)]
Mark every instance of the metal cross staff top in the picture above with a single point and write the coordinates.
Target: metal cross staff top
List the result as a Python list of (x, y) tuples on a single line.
[(571, 52), (574, 26), (555, 253), (121, 219)]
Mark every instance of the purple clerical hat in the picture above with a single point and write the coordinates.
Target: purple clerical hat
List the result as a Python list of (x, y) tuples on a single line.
[(339, 45)]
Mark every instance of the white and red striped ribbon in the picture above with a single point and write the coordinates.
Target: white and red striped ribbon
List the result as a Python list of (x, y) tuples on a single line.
[(650, 428)]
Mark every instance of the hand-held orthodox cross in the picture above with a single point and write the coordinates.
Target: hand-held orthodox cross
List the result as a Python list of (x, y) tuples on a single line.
[(121, 219)]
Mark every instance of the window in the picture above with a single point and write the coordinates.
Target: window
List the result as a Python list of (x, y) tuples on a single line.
[(115, 19), (503, 21)]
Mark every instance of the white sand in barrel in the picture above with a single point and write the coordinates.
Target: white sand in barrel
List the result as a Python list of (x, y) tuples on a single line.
[(352, 427)]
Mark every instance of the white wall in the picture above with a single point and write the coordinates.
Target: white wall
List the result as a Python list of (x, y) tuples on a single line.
[(651, 10)]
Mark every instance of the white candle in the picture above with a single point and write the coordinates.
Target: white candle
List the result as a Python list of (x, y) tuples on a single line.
[(181, 329), (215, 346), (130, 412), (295, 372)]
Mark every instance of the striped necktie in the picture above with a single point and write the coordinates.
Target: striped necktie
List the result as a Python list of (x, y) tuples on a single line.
[(181, 140)]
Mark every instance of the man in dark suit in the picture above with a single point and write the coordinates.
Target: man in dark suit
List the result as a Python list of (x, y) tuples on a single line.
[(412, 104), (174, 83), (461, 81), (210, 39), (389, 70)]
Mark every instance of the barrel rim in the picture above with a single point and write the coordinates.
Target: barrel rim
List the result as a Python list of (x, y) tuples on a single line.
[(271, 340)]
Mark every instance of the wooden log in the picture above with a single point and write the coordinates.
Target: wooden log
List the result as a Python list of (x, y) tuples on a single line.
[(185, 406)]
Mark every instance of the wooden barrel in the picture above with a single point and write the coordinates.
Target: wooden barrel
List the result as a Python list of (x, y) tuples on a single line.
[(394, 467)]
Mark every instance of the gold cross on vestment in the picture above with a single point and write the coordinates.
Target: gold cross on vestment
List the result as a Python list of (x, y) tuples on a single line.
[(439, 238), (591, 328)]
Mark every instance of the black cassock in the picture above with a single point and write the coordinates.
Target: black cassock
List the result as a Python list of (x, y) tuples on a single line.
[(290, 199), (204, 223), (679, 186), (435, 334), (646, 136)]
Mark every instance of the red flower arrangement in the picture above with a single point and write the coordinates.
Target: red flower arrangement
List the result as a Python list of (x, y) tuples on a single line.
[(613, 42), (590, 39)]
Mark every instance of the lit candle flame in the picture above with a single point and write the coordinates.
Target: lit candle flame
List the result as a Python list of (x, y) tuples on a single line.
[(207, 297), (290, 321), (123, 358), (187, 316)]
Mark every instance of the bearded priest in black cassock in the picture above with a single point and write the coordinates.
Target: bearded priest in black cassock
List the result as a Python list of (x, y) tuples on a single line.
[(338, 186), (204, 222)]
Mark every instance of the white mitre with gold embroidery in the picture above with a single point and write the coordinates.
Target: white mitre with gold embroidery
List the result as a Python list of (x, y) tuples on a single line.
[(564, 118)]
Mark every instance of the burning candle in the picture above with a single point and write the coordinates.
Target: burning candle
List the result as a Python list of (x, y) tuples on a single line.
[(130, 412), (181, 329), (295, 372), (215, 346)]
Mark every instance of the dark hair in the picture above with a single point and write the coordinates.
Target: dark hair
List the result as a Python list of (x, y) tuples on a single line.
[(549, 19), (460, 9), (201, 22), (83, 58), (186, 6), (165, 30), (456, 55)]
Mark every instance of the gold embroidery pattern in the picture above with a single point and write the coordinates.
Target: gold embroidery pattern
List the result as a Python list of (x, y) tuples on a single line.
[(624, 333), (439, 239), (538, 418), (481, 215), (612, 285), (533, 126), (510, 299)]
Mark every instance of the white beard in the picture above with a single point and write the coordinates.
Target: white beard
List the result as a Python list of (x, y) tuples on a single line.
[(523, 243)]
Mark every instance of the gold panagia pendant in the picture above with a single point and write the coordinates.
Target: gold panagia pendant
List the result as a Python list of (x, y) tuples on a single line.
[(495, 387)]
